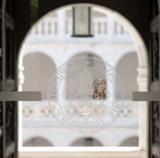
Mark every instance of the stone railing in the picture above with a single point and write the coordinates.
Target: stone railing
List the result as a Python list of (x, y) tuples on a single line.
[(53, 28)]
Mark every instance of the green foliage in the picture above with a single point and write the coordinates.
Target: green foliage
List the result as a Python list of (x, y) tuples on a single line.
[(34, 10)]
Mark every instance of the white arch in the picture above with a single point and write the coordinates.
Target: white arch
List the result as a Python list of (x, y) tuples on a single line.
[(142, 59), (128, 26), (21, 66), (23, 54), (84, 53), (43, 140), (124, 55), (75, 65)]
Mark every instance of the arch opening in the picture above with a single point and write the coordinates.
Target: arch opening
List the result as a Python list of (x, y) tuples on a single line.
[(127, 67), (38, 67), (113, 37), (37, 141), (88, 141), (86, 74)]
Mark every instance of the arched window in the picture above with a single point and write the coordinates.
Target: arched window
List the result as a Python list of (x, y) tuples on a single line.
[(81, 73)]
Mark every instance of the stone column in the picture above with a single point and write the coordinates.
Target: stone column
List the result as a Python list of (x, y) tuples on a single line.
[(142, 82)]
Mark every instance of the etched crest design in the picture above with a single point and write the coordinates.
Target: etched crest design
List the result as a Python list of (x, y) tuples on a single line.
[(86, 95)]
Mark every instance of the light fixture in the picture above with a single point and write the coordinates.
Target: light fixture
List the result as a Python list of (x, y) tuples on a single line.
[(90, 60), (82, 21)]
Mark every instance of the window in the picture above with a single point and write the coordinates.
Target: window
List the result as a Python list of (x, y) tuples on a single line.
[(87, 86)]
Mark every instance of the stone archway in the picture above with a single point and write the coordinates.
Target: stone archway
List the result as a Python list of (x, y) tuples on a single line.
[(126, 68), (37, 141), (88, 141), (142, 57), (37, 67)]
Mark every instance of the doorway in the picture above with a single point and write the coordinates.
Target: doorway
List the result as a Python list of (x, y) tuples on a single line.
[(49, 49)]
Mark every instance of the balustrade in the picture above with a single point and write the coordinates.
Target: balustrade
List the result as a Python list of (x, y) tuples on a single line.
[(60, 27)]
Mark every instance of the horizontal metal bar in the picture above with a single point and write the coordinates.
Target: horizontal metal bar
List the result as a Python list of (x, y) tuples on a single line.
[(146, 96), (20, 96)]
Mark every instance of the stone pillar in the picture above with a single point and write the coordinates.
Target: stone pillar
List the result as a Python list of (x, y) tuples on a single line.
[(142, 82)]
